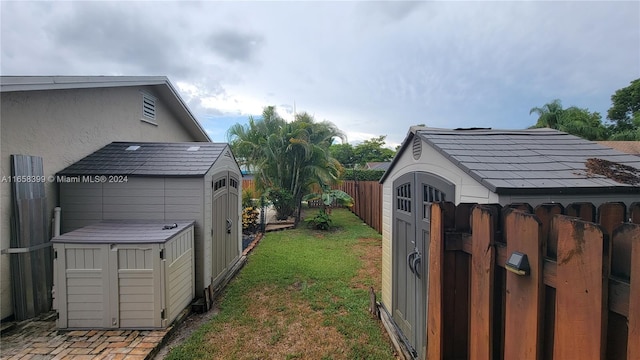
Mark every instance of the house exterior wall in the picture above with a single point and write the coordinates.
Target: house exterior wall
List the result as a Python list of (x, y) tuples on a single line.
[(63, 126), (467, 189)]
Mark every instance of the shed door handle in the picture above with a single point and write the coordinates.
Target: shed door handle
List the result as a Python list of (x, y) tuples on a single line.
[(416, 262), (229, 223), (410, 260)]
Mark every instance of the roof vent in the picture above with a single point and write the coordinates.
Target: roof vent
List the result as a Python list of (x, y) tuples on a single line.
[(193, 148), (148, 106), (417, 147), (133, 148)]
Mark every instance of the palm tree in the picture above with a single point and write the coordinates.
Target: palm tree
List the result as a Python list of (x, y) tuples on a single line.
[(548, 115), (288, 157)]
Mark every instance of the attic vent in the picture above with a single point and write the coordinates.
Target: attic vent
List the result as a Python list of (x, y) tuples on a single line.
[(133, 148), (417, 147), (193, 148), (148, 106), (228, 153)]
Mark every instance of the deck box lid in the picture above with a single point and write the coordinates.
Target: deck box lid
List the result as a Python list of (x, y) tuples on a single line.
[(125, 232)]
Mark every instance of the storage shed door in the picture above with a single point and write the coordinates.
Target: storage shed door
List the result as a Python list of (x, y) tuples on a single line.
[(225, 247), (139, 287), (413, 194)]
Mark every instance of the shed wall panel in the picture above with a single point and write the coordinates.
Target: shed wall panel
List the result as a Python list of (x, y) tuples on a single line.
[(179, 274)]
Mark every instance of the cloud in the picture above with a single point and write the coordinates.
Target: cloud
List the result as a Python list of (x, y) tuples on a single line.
[(372, 68), (233, 45)]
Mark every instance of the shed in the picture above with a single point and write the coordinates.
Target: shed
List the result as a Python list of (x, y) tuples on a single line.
[(532, 166), (197, 181), (123, 274)]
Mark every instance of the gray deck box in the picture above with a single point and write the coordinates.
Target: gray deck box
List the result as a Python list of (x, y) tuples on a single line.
[(123, 274)]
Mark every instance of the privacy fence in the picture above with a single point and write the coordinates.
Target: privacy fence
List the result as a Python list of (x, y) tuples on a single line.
[(580, 298), (367, 196)]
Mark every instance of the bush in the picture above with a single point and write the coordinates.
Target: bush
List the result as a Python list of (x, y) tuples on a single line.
[(363, 175), (283, 202), (321, 221), (250, 219)]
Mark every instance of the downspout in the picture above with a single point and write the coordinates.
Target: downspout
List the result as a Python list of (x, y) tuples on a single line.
[(56, 221)]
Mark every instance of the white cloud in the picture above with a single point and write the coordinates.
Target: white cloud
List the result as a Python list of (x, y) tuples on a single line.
[(372, 68)]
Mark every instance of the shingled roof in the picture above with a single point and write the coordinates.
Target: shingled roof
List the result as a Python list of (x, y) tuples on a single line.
[(149, 159), (533, 160)]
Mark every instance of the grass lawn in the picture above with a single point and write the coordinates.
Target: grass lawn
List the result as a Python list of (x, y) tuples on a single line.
[(303, 294)]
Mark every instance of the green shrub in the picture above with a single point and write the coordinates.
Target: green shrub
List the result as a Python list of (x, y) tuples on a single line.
[(363, 175), (321, 221)]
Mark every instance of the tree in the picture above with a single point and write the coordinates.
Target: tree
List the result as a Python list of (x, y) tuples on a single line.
[(373, 150), (344, 153), (582, 123), (574, 120), (625, 113), (287, 158), (548, 115)]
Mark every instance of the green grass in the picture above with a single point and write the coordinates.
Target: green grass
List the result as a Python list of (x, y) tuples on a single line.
[(311, 269)]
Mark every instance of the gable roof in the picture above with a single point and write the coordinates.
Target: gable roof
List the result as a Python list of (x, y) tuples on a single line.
[(150, 159), (380, 165), (161, 84), (529, 161)]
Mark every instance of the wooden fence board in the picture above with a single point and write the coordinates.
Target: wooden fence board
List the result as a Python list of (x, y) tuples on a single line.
[(482, 279), (634, 213), (633, 339), (583, 210), (610, 215), (524, 294), (581, 294), (545, 213), (434, 306)]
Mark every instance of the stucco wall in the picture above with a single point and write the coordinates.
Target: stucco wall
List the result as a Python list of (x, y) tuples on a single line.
[(63, 126)]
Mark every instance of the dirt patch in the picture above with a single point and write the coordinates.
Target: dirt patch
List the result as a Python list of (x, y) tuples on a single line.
[(279, 325), (370, 274), (182, 331)]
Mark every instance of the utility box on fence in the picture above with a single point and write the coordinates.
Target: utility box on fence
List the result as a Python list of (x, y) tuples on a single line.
[(123, 274)]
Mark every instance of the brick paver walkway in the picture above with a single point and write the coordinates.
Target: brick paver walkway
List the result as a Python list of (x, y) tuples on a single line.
[(37, 339)]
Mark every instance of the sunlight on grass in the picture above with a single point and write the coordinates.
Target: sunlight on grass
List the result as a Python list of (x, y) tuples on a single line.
[(297, 290)]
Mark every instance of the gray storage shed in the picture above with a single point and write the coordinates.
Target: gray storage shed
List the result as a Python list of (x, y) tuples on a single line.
[(196, 181), (123, 274), (484, 166)]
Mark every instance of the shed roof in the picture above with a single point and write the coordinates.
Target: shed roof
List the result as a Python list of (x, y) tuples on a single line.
[(532, 160), (124, 232), (150, 159)]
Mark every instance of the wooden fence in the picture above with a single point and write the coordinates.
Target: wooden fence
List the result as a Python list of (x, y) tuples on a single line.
[(248, 185), (367, 196), (581, 299)]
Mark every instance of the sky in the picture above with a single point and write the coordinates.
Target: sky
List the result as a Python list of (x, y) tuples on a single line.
[(371, 68)]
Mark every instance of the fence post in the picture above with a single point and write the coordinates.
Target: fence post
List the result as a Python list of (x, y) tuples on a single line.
[(482, 279), (581, 292), (633, 339), (523, 314), (436, 262)]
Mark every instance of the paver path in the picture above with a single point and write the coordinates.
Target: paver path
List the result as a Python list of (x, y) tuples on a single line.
[(38, 339)]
